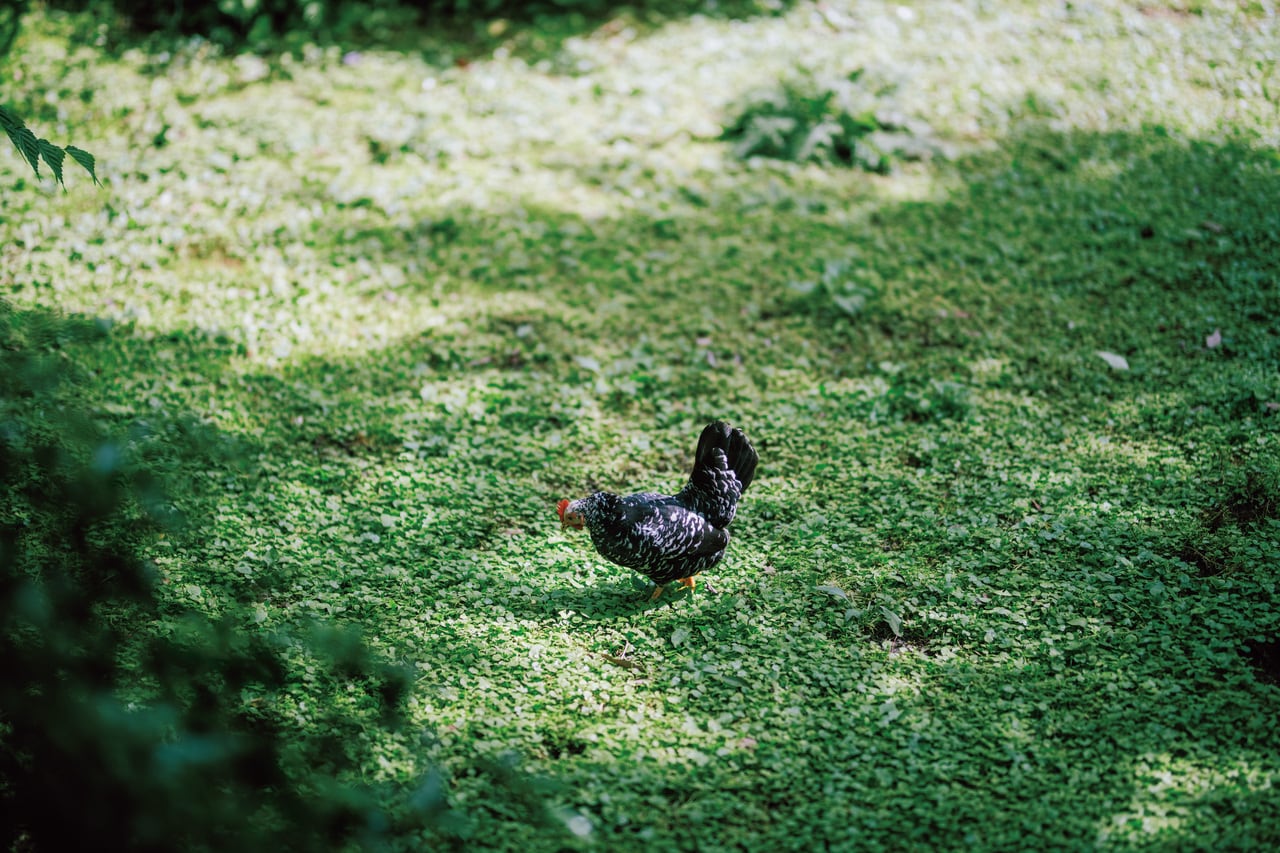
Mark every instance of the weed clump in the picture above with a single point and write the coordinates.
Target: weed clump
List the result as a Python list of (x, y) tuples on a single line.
[(840, 122)]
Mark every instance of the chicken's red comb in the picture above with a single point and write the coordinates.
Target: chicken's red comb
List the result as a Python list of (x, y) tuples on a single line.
[(560, 508)]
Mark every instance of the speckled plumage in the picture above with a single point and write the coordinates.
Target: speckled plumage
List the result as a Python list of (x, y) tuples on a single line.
[(671, 537)]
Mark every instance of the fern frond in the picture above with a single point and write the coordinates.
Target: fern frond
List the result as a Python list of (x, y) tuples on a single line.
[(53, 156), (8, 120), (26, 143), (34, 149), (85, 159)]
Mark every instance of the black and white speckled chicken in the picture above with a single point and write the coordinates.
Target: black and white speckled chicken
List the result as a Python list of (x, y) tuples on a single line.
[(672, 537)]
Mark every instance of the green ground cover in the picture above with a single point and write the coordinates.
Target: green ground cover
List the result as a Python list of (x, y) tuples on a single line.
[(1007, 575)]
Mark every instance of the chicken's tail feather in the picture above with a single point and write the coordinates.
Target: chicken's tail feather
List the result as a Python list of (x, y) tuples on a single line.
[(738, 451)]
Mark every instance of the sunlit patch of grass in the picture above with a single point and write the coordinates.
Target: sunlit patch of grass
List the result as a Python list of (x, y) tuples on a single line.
[(1173, 793)]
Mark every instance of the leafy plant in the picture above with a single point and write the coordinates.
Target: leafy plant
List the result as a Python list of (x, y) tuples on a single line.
[(254, 24), (35, 150), (837, 123), (110, 731), (848, 286), (11, 12), (940, 399)]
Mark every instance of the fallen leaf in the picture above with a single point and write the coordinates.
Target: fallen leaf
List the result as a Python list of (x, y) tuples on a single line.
[(1117, 362), (1272, 407), (1211, 226), (1214, 339)]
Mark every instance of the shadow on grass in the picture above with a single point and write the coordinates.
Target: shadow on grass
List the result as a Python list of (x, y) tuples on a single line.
[(604, 601)]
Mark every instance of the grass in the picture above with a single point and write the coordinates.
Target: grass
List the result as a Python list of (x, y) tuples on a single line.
[(988, 590)]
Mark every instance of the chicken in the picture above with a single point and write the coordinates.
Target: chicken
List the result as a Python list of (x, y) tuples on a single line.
[(672, 537)]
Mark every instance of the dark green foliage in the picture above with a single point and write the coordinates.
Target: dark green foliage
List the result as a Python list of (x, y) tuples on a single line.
[(252, 22), (844, 288), (11, 12), (35, 150), (840, 122), (938, 399), (198, 759), (236, 23)]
